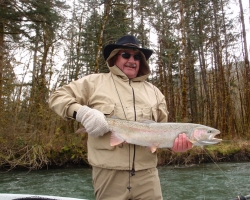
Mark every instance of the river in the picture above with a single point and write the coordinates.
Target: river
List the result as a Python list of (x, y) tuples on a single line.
[(205, 181)]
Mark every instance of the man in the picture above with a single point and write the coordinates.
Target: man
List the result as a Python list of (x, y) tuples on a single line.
[(126, 171)]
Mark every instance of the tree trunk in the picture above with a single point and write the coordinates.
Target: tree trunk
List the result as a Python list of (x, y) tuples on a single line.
[(100, 40), (1, 65), (247, 69), (183, 63)]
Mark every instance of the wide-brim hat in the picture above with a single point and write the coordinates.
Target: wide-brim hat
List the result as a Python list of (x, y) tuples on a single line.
[(127, 41)]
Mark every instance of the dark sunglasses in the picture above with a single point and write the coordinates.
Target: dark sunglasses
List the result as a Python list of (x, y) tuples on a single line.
[(126, 55)]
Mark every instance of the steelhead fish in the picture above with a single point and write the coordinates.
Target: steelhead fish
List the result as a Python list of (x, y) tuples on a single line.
[(159, 135)]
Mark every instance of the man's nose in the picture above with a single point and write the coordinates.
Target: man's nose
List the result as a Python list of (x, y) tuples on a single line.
[(131, 58)]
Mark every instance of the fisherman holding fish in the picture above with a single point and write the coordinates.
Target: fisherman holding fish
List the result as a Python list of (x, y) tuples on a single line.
[(124, 171)]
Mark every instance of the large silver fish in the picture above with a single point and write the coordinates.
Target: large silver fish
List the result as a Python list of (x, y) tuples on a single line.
[(159, 135)]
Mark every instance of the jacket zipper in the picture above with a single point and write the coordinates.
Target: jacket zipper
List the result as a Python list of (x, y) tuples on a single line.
[(132, 171), (133, 162)]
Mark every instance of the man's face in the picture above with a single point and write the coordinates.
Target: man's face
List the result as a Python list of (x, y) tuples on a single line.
[(129, 62)]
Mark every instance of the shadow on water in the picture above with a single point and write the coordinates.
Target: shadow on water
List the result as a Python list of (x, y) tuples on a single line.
[(197, 182)]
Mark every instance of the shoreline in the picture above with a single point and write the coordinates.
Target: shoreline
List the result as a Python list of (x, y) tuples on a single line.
[(226, 151), (236, 152)]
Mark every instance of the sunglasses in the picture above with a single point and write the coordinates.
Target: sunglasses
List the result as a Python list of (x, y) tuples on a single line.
[(126, 55)]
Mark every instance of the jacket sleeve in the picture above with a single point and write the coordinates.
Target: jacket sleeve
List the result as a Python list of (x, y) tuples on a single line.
[(70, 98)]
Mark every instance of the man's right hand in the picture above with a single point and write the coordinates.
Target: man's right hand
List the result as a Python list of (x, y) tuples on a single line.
[(93, 121), (181, 143)]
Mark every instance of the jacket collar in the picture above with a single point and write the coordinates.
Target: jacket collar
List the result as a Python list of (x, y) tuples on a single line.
[(118, 72)]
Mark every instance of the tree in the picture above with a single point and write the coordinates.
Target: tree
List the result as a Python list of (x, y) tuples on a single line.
[(246, 68), (9, 29)]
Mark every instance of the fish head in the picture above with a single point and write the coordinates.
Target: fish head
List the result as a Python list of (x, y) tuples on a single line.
[(204, 135)]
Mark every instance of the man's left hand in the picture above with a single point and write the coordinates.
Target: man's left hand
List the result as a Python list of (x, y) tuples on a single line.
[(181, 143)]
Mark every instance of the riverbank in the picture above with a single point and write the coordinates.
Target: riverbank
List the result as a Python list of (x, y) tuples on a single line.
[(226, 151), (74, 154)]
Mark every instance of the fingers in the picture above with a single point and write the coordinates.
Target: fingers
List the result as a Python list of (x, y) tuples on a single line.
[(181, 143)]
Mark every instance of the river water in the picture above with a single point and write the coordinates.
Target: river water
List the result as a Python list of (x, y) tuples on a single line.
[(205, 181)]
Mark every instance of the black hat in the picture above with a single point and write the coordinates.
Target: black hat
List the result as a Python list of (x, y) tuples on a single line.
[(127, 41)]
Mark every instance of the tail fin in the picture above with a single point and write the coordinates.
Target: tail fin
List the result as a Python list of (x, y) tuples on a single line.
[(80, 130)]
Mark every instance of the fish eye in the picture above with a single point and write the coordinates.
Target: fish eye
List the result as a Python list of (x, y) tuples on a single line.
[(209, 131)]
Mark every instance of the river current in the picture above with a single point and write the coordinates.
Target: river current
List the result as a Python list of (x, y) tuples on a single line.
[(197, 182)]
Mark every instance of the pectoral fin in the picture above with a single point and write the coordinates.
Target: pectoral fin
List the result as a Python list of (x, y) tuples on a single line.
[(114, 140), (153, 149)]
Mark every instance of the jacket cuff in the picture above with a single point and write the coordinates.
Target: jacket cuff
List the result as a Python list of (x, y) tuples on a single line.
[(72, 109)]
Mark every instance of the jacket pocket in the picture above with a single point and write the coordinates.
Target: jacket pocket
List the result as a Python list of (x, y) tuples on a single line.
[(101, 143), (146, 113), (155, 113)]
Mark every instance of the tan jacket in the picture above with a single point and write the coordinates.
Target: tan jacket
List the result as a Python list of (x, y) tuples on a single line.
[(114, 95)]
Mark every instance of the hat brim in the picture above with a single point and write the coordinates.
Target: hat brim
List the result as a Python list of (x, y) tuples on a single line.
[(110, 47)]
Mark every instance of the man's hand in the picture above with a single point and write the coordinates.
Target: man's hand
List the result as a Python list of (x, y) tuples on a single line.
[(93, 121), (181, 143)]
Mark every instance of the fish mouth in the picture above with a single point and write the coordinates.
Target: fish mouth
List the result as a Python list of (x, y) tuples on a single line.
[(209, 141)]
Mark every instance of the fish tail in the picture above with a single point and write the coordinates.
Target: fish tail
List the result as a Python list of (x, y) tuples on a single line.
[(81, 130)]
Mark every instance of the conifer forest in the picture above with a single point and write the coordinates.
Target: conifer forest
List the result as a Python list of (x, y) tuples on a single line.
[(200, 63)]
